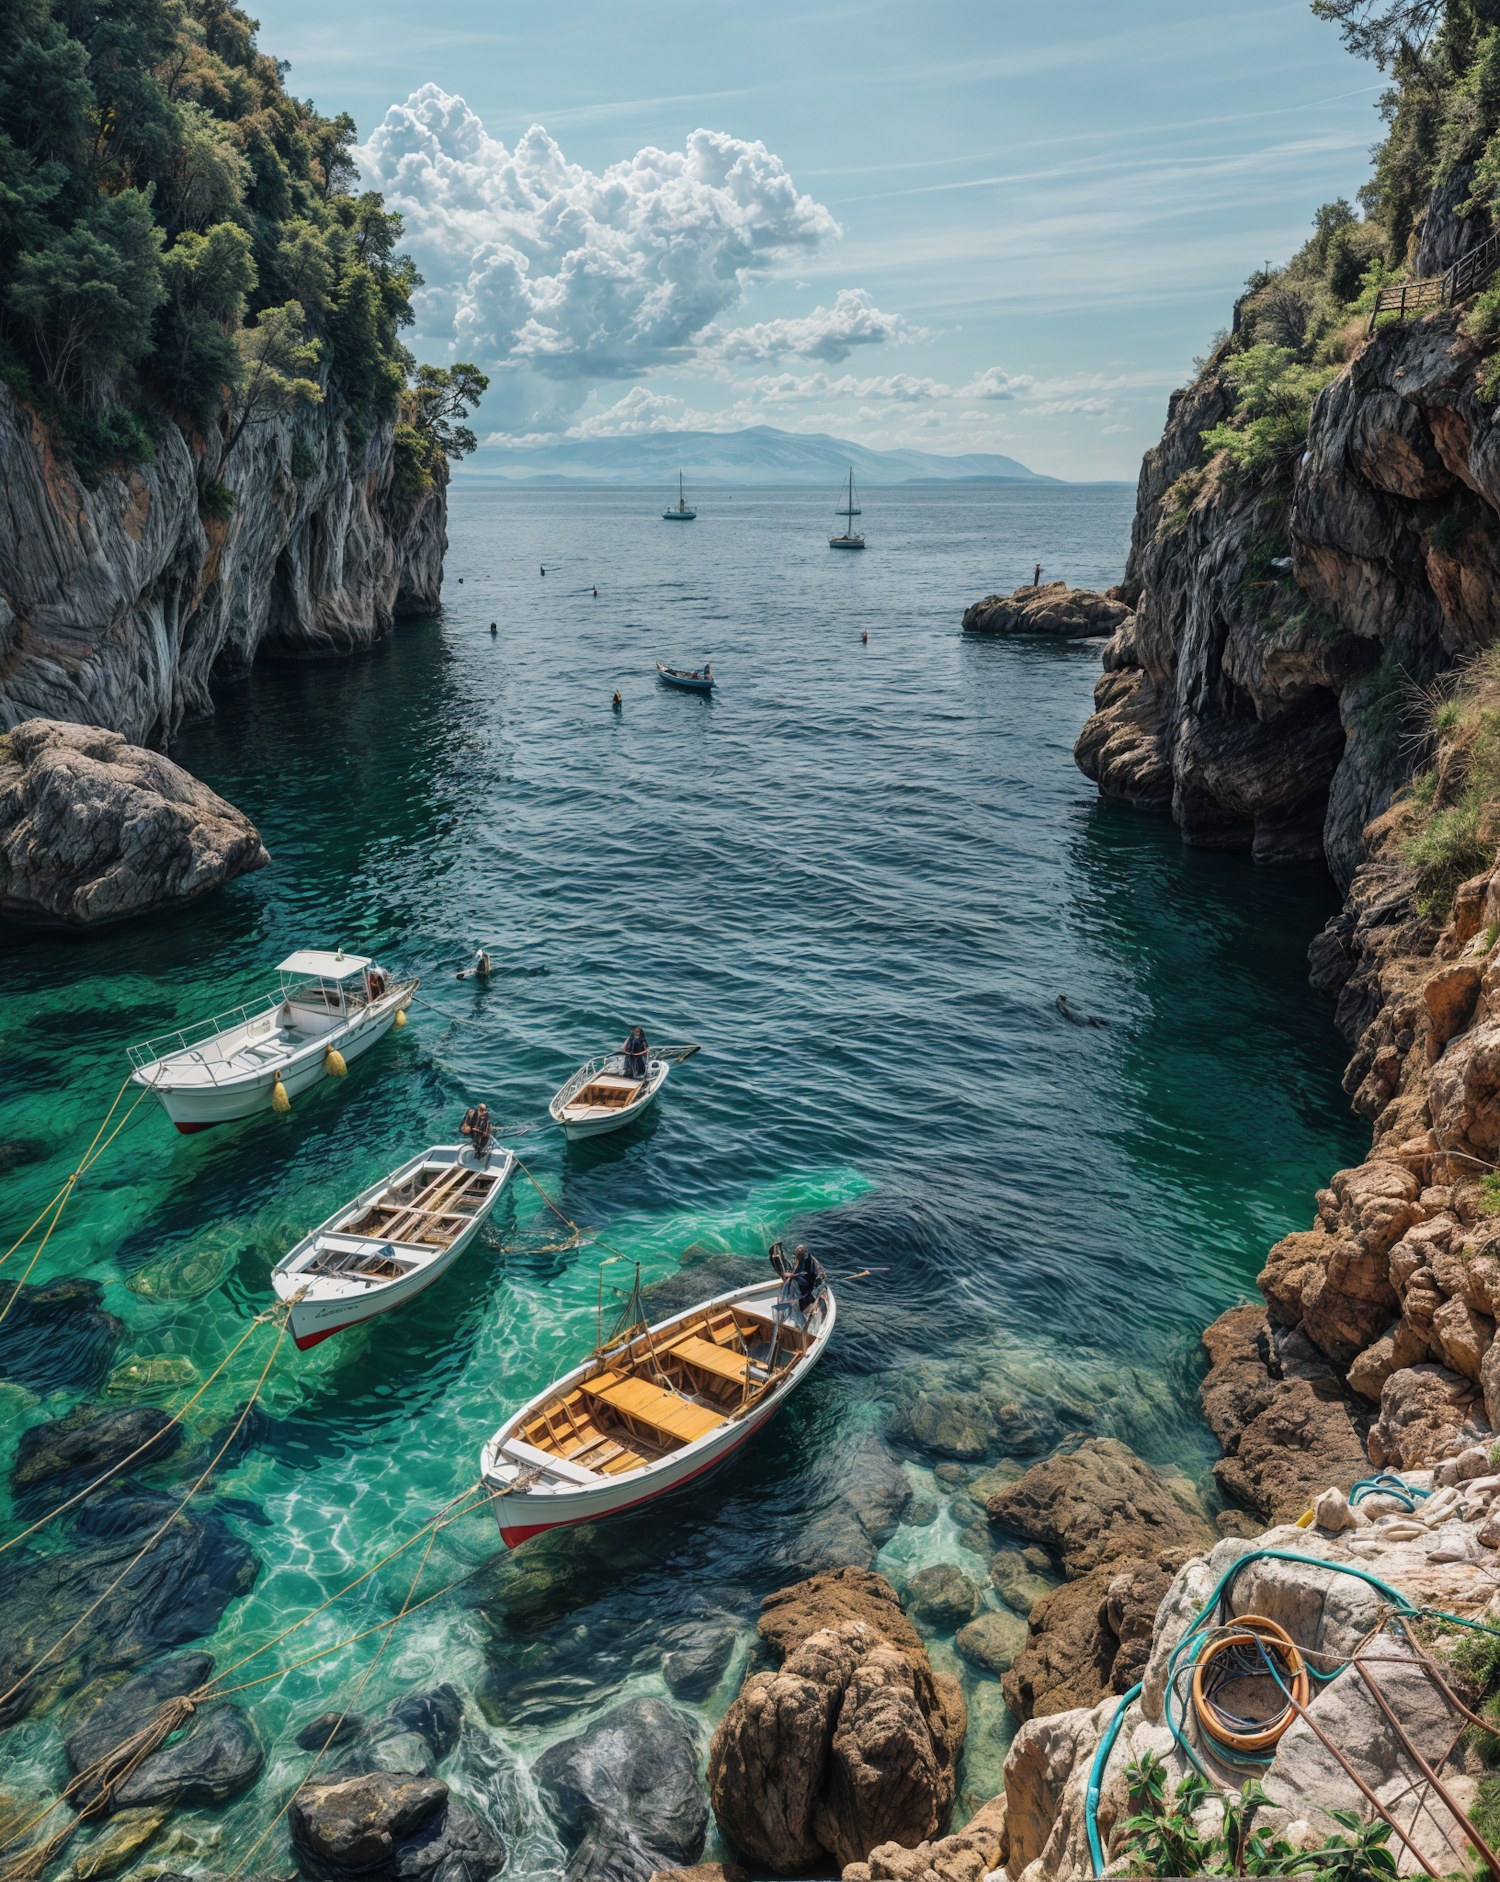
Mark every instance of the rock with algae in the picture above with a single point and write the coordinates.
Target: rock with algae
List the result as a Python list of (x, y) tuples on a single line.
[(150, 1377)]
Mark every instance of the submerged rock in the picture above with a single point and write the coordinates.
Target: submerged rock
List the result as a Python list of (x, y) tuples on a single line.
[(116, 1847), (1101, 1503), (216, 1757), (177, 1592), (1051, 608), (94, 830), (384, 1826), (992, 1640), (854, 1742), (857, 1492), (89, 1441), (150, 1377), (696, 1660), (942, 1595), (1018, 1583), (1090, 1637), (625, 1793), (57, 1336)]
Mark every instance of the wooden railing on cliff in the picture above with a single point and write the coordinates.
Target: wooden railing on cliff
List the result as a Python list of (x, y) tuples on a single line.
[(1469, 272)]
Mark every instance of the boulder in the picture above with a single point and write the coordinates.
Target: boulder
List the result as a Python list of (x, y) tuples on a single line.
[(331, 1729), (1309, 1435), (1088, 1638), (355, 1825), (991, 1640), (216, 1758), (625, 1793), (57, 1336), (1100, 1503), (93, 829), (89, 1441), (1424, 1413), (176, 1593), (1450, 995), (943, 1596), (1053, 608), (125, 1711), (853, 1742)]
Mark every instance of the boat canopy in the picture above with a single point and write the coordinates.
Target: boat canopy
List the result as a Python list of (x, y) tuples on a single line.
[(317, 964)]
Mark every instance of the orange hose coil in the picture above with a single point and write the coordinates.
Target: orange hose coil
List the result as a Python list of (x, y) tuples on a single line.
[(1246, 1630)]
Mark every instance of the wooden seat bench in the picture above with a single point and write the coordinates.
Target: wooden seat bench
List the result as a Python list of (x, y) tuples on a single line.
[(721, 1361), (654, 1406)]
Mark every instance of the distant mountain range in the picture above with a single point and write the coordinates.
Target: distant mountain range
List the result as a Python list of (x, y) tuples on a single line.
[(760, 455)]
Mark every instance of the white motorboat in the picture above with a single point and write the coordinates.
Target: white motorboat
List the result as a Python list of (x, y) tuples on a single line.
[(330, 1007), (651, 1410), (394, 1239), (603, 1096)]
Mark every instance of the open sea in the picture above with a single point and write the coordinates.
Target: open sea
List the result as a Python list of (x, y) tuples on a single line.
[(860, 876)]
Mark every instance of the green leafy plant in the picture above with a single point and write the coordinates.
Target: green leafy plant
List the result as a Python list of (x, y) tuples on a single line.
[(1161, 1838), (305, 461), (215, 502), (1274, 395)]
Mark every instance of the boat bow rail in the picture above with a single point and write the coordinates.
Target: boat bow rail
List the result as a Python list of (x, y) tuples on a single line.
[(151, 1052)]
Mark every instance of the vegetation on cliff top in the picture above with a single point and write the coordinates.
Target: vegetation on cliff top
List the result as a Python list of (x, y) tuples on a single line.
[(1448, 819), (179, 234)]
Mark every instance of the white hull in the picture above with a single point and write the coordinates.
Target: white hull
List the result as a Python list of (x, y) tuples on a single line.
[(211, 1084), (323, 1306), (523, 1510), (604, 1121)]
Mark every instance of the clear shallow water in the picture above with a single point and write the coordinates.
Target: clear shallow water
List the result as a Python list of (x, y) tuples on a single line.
[(861, 875)]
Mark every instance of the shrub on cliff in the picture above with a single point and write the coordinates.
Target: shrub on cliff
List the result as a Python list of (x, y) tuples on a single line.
[(1453, 804), (1274, 395)]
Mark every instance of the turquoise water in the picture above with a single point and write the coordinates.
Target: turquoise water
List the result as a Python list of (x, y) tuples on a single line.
[(860, 876)]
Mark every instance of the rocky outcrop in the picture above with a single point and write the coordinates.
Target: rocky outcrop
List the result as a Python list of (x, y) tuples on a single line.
[(1053, 609), (119, 605), (1100, 1503), (94, 830), (854, 1742), (1088, 1638), (1255, 672)]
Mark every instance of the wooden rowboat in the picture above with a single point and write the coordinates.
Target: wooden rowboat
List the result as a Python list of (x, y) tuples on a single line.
[(688, 682), (651, 1411), (601, 1096), (396, 1238)]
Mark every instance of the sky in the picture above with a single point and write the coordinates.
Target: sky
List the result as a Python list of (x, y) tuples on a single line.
[(968, 227)]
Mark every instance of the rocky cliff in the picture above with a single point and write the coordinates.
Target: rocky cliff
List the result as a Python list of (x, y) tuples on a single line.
[(120, 605), (1260, 688)]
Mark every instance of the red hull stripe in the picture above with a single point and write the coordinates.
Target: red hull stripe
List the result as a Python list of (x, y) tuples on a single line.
[(188, 1129), (303, 1340), (513, 1537)]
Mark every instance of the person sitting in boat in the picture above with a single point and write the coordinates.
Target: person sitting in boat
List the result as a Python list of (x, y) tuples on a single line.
[(374, 983), (635, 1050), (479, 1131)]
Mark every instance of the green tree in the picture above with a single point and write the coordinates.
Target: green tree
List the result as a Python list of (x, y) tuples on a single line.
[(87, 295), (208, 279), (276, 361), (441, 400)]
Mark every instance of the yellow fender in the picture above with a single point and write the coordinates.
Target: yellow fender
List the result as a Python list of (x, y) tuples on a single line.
[(333, 1063), (279, 1100)]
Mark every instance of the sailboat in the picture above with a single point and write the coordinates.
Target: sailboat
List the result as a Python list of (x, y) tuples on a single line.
[(682, 514), (850, 538)]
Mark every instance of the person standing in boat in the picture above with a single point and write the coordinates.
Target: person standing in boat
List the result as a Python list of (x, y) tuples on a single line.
[(479, 1131), (374, 983), (635, 1050), (708, 672)]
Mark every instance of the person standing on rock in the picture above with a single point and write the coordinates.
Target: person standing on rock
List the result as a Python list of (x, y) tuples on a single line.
[(1036, 578)]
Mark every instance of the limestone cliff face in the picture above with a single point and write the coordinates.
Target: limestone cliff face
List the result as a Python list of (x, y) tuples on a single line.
[(1256, 691), (119, 606)]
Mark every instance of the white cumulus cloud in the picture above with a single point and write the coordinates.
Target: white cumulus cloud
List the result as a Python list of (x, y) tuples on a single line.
[(791, 388), (536, 264), (992, 383), (829, 334)]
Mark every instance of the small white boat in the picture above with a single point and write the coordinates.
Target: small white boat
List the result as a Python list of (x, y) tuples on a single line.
[(650, 1411), (394, 1239), (684, 513), (331, 1006), (603, 1096), (850, 539)]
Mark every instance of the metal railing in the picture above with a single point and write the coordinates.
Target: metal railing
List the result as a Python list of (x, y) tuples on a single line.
[(150, 1051), (1469, 272)]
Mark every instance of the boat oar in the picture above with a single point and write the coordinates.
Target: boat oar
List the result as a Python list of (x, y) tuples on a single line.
[(677, 1054)]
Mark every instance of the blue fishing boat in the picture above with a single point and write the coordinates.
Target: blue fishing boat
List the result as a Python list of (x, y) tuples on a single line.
[(689, 682)]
